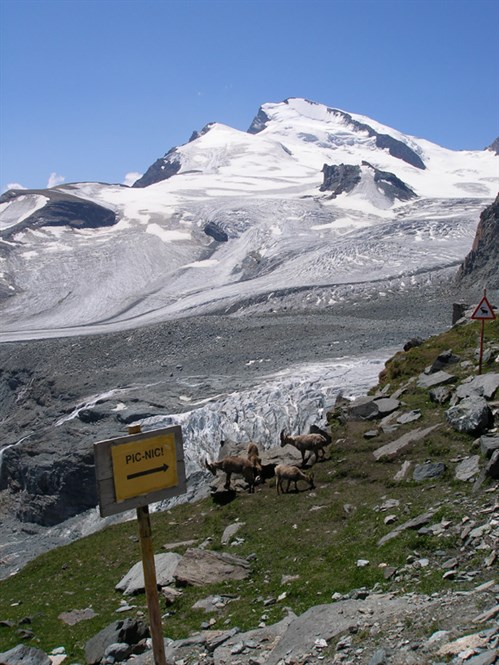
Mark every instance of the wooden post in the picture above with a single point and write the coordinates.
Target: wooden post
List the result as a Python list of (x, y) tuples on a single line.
[(151, 585), (150, 581)]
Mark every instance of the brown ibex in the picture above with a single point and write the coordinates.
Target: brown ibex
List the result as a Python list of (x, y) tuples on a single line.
[(292, 474), (234, 464), (313, 443)]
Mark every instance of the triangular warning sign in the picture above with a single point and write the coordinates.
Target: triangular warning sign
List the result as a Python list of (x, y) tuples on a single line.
[(483, 311)]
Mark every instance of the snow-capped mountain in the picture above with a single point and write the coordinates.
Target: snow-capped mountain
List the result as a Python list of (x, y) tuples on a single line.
[(310, 204)]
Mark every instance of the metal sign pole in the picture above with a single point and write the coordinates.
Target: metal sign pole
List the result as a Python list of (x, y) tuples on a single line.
[(482, 332), (483, 312)]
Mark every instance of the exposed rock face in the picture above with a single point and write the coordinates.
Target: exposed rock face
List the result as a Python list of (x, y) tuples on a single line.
[(480, 266), (162, 169), (344, 178), (494, 146), (214, 231), (340, 179), (54, 486), (259, 122), (60, 210)]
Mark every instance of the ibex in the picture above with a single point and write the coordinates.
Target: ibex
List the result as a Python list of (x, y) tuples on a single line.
[(234, 464), (292, 474), (313, 443)]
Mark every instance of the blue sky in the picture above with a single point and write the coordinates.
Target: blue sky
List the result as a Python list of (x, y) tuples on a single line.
[(92, 90)]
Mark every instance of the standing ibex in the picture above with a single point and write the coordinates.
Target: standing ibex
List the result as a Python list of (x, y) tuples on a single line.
[(248, 469), (292, 474), (313, 443)]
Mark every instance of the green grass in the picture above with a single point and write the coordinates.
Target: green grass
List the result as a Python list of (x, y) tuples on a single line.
[(308, 534)]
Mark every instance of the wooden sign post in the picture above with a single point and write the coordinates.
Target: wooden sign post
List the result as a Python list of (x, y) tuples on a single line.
[(132, 472), (483, 312)]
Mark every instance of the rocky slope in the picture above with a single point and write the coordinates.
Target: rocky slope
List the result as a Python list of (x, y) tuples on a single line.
[(480, 267), (431, 427)]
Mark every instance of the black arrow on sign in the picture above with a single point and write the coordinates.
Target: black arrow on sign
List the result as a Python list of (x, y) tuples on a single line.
[(147, 472)]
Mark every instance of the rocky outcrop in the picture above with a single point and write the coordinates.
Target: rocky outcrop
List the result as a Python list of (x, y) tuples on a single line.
[(494, 146), (51, 485), (128, 631), (480, 265), (344, 178), (162, 169), (61, 209)]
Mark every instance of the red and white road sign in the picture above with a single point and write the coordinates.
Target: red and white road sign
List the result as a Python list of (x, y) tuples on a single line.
[(484, 311)]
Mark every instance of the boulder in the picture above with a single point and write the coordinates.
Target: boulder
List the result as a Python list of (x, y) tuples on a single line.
[(128, 631), (428, 470), (436, 379), (443, 359), (165, 564), (484, 385), (488, 444), (492, 468), (393, 448), (24, 655), (370, 408), (409, 417), (472, 415), (468, 468), (199, 567)]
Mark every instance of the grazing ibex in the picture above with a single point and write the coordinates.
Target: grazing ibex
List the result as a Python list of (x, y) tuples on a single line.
[(292, 474), (234, 464), (254, 455), (313, 443)]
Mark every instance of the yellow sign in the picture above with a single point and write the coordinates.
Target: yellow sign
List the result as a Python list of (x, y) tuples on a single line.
[(144, 466)]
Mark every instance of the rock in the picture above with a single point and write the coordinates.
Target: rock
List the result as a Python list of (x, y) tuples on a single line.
[(412, 343), (414, 523), (393, 448), (199, 567), (432, 380), (182, 543), (75, 616), (440, 394), (165, 564), (369, 408), (117, 653), (492, 468), (230, 532), (257, 641), (468, 468), (378, 658), (428, 470), (24, 655), (409, 417), (212, 603), (402, 473), (489, 443), (472, 416), (170, 594), (129, 631), (443, 359), (484, 385)]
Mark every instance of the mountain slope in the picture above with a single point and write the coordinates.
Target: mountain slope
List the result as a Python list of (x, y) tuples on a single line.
[(242, 222)]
